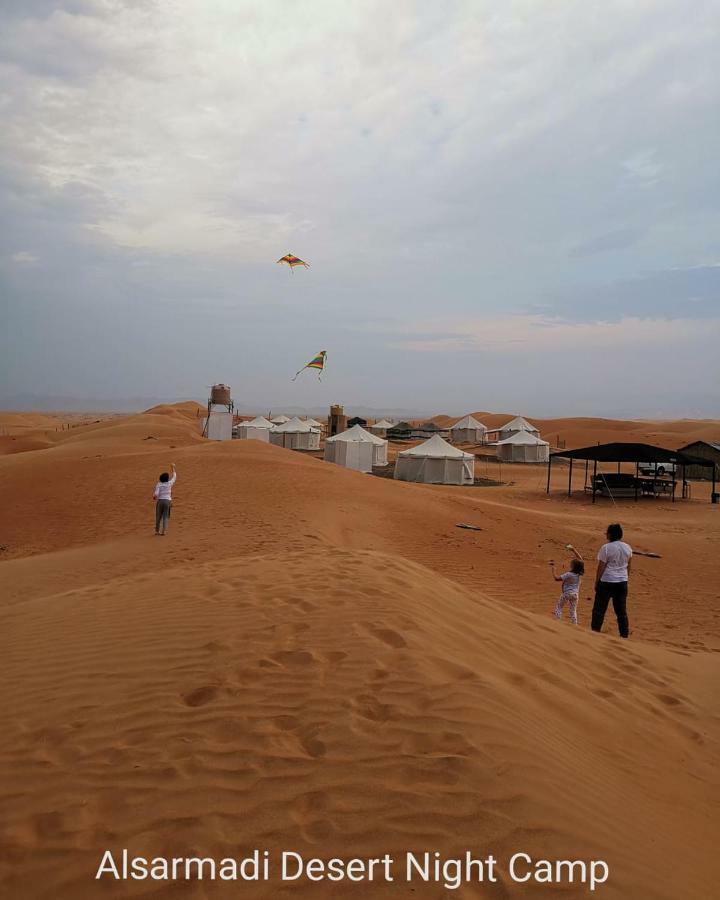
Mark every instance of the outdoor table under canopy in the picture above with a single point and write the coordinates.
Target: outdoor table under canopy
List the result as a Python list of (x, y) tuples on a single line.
[(625, 484)]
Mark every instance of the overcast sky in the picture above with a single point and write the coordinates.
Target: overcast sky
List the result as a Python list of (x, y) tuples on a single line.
[(505, 205)]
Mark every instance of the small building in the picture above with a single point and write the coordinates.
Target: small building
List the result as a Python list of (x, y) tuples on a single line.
[(468, 431), (356, 449), (337, 420), (514, 425), (706, 450), (218, 424), (435, 462)]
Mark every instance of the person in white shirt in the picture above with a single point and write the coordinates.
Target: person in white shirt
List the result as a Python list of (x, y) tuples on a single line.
[(162, 495), (571, 581), (611, 581)]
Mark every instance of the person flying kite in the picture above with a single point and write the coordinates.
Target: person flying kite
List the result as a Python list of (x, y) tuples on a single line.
[(317, 362), (292, 261)]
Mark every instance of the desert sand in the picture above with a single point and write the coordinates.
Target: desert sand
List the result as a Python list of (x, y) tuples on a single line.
[(319, 660)]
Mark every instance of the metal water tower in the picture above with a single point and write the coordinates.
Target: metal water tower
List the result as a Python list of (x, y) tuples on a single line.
[(219, 421)]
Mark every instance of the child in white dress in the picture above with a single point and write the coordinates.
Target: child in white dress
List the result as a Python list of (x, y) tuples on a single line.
[(571, 581)]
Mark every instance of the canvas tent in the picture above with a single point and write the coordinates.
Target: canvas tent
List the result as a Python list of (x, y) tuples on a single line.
[(295, 435), (468, 431), (257, 429), (313, 423), (523, 447), (514, 425), (428, 429), (401, 431), (279, 420), (380, 428), (435, 462), (356, 449)]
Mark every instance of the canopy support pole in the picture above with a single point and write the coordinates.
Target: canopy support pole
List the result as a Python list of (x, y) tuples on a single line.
[(594, 481), (570, 477), (637, 478), (547, 489)]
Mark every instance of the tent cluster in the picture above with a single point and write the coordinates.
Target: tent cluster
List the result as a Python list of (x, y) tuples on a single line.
[(295, 434), (517, 441)]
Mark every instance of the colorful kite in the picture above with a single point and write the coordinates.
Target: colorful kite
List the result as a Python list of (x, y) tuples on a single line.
[(293, 261), (317, 362)]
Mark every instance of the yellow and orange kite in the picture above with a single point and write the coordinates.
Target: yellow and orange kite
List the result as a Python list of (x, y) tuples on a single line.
[(293, 261)]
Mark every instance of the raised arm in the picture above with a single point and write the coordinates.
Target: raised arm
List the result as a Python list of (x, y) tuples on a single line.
[(174, 474), (552, 570)]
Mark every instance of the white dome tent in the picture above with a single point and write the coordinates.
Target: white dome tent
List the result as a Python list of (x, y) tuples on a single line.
[(313, 423), (523, 447), (380, 428), (514, 426), (435, 462), (356, 449), (295, 435), (279, 420), (257, 429), (468, 431)]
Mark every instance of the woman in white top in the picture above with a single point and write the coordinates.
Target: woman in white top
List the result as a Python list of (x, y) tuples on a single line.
[(162, 495), (611, 581)]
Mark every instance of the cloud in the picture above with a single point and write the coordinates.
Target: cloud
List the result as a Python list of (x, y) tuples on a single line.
[(517, 335), (23, 256), (525, 168)]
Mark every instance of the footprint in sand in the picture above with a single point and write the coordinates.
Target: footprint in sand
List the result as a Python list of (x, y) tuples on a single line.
[(669, 699), (313, 747), (294, 657), (392, 638), (200, 696)]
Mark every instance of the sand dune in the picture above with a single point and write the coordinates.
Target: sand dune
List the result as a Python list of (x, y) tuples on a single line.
[(215, 707), (320, 660)]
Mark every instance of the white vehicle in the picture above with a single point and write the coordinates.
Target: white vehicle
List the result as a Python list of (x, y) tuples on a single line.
[(657, 469)]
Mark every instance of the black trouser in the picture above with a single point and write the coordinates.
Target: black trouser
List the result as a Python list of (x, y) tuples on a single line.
[(162, 514), (606, 591)]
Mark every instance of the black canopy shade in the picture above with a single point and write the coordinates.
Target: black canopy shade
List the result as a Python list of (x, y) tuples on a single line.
[(631, 453), (640, 453)]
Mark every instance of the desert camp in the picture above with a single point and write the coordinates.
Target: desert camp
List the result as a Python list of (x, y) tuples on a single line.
[(359, 450)]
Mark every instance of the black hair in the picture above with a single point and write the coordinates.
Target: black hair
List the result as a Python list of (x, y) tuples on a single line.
[(164, 477), (614, 532), (577, 566)]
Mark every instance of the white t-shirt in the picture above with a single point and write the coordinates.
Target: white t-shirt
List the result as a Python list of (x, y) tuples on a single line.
[(571, 583), (163, 489), (616, 556)]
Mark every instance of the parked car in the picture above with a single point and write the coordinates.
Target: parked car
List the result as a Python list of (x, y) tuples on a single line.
[(657, 469)]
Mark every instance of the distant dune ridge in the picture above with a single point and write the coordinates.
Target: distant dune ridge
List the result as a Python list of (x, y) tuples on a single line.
[(319, 660)]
